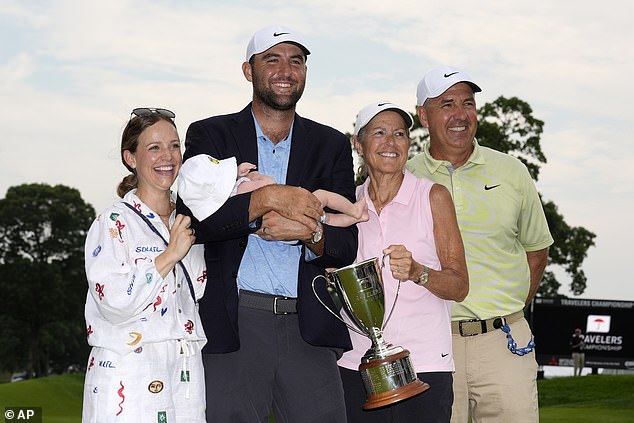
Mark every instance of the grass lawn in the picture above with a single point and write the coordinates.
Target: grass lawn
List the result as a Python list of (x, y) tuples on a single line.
[(592, 398), (59, 396)]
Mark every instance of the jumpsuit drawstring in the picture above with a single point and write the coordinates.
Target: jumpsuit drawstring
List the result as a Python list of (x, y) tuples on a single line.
[(187, 352)]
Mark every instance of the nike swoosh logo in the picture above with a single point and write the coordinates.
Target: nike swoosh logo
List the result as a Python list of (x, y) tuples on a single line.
[(447, 75), (486, 187), (277, 34), (444, 355), (382, 104)]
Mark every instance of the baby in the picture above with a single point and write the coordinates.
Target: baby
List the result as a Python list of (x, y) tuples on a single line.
[(205, 183), (250, 180)]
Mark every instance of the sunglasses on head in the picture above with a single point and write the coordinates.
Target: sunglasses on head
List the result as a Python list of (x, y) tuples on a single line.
[(147, 111)]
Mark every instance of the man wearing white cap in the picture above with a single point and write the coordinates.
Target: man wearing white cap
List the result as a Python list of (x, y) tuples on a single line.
[(272, 346), (506, 241)]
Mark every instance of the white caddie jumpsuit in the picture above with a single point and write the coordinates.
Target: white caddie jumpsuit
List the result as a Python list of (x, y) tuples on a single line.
[(146, 363)]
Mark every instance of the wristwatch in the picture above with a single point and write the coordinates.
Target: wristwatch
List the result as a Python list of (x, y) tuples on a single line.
[(424, 277), (317, 236)]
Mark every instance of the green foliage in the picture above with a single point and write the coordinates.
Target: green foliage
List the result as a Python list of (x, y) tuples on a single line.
[(43, 223), (419, 135), (42, 233), (508, 125), (569, 251)]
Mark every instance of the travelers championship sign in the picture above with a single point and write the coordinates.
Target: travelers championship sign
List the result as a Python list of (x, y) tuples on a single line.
[(605, 325)]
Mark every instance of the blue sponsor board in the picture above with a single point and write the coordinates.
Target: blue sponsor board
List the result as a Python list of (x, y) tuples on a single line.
[(606, 326)]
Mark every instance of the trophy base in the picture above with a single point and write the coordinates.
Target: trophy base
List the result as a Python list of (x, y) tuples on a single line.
[(389, 380)]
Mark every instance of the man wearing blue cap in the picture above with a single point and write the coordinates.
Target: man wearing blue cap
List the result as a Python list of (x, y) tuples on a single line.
[(506, 240), (272, 346)]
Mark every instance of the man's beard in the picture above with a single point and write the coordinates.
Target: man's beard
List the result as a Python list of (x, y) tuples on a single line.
[(268, 97)]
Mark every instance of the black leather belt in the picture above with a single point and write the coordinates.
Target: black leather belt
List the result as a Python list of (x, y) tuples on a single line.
[(476, 327), (266, 302)]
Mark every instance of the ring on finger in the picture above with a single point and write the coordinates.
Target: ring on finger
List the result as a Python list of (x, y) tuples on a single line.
[(263, 230)]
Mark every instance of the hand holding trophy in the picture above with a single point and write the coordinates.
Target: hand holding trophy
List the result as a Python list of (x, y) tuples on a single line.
[(386, 370)]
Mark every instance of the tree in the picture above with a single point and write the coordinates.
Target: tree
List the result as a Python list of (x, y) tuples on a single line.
[(508, 125), (42, 233), (568, 251)]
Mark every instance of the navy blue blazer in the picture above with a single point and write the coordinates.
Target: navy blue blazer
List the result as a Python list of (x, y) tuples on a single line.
[(320, 158)]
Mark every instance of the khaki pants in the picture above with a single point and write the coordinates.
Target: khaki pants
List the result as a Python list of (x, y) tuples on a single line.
[(578, 361), (491, 384)]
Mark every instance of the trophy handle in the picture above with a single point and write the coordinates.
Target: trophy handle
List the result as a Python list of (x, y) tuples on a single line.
[(383, 260), (352, 328), (398, 288)]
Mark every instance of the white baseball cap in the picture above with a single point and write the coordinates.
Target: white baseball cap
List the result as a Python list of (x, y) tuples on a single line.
[(366, 114), (438, 80), (205, 183), (270, 36)]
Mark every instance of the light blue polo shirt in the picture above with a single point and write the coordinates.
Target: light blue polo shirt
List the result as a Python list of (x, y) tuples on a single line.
[(271, 267)]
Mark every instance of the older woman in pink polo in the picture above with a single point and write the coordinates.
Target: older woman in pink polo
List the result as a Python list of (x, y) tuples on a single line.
[(412, 221)]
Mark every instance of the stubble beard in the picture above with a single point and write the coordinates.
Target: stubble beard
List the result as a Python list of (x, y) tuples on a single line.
[(274, 101)]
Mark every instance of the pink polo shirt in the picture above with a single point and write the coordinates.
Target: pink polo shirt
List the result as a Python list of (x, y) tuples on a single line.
[(421, 322)]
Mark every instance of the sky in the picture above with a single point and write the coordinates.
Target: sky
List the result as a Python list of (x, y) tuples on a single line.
[(71, 72)]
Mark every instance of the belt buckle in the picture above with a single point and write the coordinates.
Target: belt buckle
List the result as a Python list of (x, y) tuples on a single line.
[(275, 306), (498, 322), (460, 322)]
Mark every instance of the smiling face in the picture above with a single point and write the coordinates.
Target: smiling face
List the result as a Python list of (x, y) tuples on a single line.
[(278, 76), (157, 158), (452, 122), (384, 143)]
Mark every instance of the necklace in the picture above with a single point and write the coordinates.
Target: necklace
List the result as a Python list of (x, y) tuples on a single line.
[(378, 208), (166, 217), (171, 208), (388, 187)]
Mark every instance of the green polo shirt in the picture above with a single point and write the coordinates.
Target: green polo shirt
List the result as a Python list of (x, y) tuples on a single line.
[(500, 218)]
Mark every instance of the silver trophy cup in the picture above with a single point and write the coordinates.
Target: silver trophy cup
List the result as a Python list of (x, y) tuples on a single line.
[(386, 370)]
